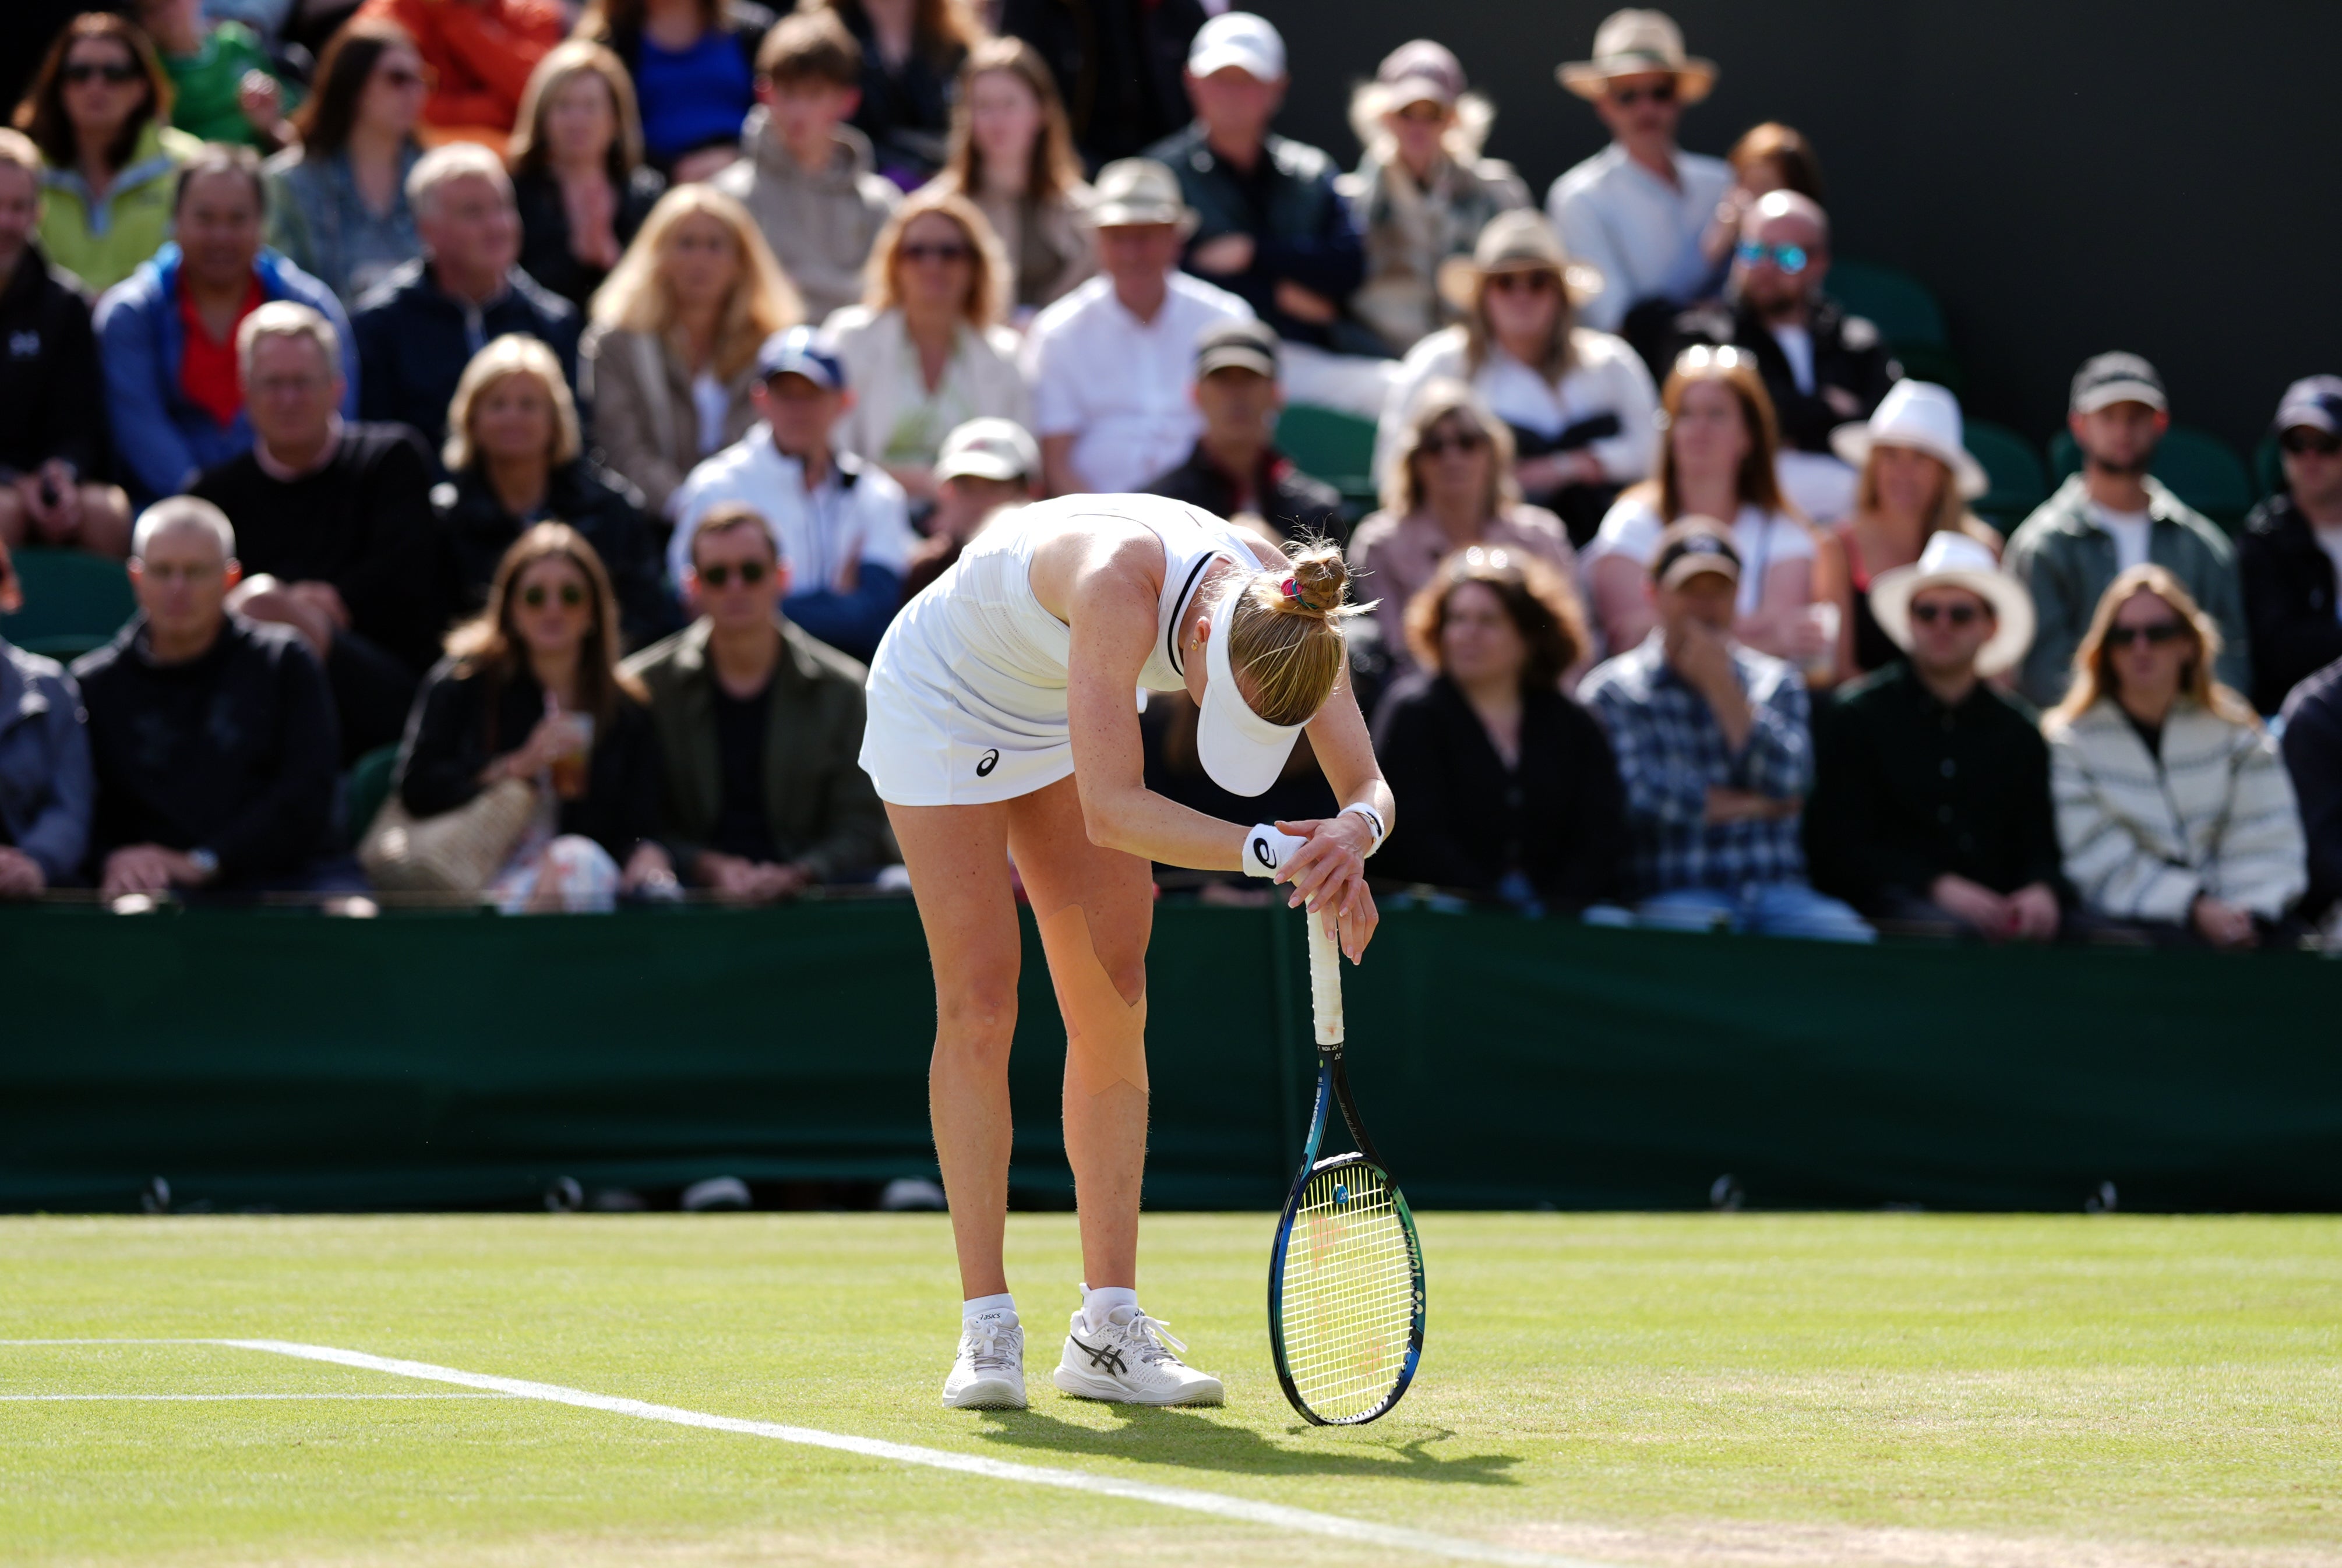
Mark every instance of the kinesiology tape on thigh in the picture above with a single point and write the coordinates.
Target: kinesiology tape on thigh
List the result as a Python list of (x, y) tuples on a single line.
[(1105, 1037)]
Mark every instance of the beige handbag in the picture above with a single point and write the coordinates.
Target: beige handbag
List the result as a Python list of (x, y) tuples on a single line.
[(456, 852)]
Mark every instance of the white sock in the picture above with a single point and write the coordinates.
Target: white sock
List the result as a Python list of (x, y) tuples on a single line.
[(1098, 1304), (978, 1306)]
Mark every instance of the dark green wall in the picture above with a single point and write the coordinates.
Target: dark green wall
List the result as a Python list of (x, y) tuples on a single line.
[(2070, 175)]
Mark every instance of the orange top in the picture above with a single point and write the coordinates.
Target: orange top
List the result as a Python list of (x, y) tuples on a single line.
[(480, 52)]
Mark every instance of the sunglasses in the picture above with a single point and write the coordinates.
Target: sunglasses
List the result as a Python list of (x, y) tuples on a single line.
[(2301, 441), (1927, 615), (1790, 259), (116, 75), (535, 595), (934, 252), (1628, 97), (719, 575), (2155, 636), (1531, 282), (1464, 441)]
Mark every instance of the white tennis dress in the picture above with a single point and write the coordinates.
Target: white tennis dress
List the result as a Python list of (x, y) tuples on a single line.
[(967, 690)]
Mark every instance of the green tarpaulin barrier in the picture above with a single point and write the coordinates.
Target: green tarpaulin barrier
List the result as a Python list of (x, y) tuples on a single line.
[(288, 1061)]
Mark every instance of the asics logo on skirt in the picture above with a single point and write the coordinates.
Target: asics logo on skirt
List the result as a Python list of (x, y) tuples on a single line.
[(985, 763)]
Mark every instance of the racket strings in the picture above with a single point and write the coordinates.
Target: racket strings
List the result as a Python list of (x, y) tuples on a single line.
[(1349, 1292)]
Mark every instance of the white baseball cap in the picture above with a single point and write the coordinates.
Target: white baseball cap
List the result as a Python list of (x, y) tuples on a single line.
[(1241, 39), (988, 448), (1242, 752)]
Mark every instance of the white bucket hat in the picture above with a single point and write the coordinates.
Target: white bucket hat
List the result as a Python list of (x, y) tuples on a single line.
[(1953, 560), (1924, 417), (1242, 752), (1632, 43)]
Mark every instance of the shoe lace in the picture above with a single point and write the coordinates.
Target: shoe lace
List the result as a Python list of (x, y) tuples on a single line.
[(992, 1347), (1152, 1340)]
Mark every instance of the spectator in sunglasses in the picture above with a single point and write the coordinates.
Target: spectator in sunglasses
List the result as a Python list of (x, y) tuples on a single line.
[(2290, 554), (1450, 486), (2110, 517), (1931, 800), (340, 209), (1636, 211), (926, 351), (2175, 812), (99, 109), (1822, 367), (759, 727), (480, 53)]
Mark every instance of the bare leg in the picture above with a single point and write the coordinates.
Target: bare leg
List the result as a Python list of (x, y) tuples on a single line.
[(106, 521), (957, 856), (1105, 1130)]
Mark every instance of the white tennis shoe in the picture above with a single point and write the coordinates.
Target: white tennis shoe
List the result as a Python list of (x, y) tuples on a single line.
[(988, 1373), (1130, 1361)]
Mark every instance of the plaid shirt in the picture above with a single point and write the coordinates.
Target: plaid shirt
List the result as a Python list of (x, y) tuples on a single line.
[(1670, 752)]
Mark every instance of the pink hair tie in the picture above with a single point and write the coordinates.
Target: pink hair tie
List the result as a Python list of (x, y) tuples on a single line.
[(1291, 592)]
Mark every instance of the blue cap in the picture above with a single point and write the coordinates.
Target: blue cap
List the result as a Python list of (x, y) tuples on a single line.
[(801, 350)]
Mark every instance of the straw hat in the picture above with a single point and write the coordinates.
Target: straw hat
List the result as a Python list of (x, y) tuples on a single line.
[(1520, 239), (1953, 560), (1130, 192), (1924, 417), (1634, 43)]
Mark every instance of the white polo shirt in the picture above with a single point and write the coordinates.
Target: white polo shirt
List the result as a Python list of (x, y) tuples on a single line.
[(1642, 232), (817, 531), (1119, 385)]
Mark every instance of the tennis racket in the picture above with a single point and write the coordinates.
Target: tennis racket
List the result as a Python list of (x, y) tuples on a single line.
[(1345, 1276)]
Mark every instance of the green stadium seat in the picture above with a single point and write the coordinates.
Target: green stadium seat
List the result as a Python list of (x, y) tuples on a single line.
[(2014, 468), (2269, 466), (1903, 308), (2201, 469), (72, 603), (370, 778), (1329, 444)]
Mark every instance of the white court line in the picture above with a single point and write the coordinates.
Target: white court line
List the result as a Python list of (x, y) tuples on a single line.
[(210, 1398), (1275, 1515)]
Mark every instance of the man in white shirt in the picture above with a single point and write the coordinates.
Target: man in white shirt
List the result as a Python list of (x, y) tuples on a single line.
[(1637, 209), (1112, 365), (843, 527)]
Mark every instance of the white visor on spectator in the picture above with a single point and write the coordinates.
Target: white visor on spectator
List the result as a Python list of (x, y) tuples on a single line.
[(1242, 752)]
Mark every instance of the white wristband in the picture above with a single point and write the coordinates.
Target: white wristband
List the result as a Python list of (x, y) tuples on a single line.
[(1374, 819), (1266, 847)]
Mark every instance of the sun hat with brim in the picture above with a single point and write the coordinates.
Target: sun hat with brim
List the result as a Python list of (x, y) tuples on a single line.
[(1953, 560), (1129, 191), (1241, 751), (1521, 240), (1632, 43), (988, 448), (1921, 416)]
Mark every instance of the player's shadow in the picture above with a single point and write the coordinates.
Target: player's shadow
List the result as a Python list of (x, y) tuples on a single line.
[(1195, 1440)]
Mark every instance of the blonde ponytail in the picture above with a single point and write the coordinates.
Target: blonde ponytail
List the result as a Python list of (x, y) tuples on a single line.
[(1284, 632)]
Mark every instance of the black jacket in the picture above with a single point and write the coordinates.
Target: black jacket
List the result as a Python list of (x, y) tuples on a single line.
[(1288, 500), (474, 532), (465, 719), (2313, 755), (2288, 584), (1466, 821), (52, 397), (1906, 789), (1848, 354), (1118, 64), (907, 111), (414, 342), (232, 750), (544, 253)]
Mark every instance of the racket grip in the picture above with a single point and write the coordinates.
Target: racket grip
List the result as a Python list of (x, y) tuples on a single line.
[(1325, 980)]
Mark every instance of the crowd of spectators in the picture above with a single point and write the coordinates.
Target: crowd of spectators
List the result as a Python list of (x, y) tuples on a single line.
[(568, 397)]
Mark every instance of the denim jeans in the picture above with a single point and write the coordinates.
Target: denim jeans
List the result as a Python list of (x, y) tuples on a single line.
[(1760, 908)]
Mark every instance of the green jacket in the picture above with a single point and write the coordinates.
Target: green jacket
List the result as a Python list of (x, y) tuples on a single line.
[(103, 243), (2066, 560), (822, 811)]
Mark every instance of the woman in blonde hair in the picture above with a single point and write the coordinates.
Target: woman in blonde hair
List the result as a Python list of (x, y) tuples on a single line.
[(925, 352), (670, 360), (579, 174), (1001, 723), (2174, 807), (1012, 154), (1422, 192), (513, 454)]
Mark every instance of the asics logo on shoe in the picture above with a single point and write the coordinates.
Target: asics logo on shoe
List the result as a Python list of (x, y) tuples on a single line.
[(1104, 1355), (985, 763)]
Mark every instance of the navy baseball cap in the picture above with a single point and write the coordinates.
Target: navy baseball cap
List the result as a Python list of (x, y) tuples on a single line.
[(801, 350)]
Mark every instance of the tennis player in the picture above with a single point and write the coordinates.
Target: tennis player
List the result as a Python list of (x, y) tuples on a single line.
[(1002, 725)]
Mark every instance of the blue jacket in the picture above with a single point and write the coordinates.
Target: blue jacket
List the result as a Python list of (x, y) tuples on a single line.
[(161, 440), (46, 788), (417, 339)]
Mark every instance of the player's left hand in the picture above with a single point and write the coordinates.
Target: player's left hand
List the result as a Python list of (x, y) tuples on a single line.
[(1329, 874)]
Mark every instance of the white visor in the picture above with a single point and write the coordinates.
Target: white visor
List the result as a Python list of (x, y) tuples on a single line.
[(1242, 752)]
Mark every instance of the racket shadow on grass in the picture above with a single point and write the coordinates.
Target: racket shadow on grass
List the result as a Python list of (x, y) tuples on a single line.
[(1192, 1440)]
